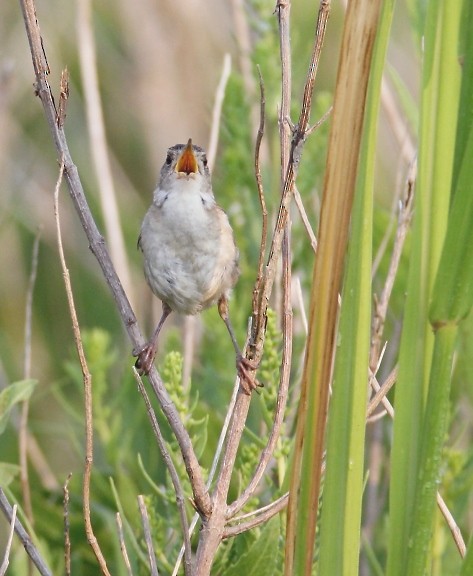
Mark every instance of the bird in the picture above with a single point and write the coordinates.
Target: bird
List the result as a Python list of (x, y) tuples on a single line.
[(191, 261)]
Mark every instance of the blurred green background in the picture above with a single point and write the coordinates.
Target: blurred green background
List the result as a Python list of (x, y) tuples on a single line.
[(159, 64)]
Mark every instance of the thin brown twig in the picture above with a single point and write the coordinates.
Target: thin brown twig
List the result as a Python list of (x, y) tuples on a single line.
[(178, 489), (297, 196), (121, 539), (305, 219), (6, 556), (285, 368), (283, 388), (381, 306), (381, 392), (260, 189), (28, 545), (261, 516), (87, 379), (454, 528), (67, 532), (212, 528), (285, 135), (148, 538), (319, 122), (99, 249), (297, 145), (215, 463)]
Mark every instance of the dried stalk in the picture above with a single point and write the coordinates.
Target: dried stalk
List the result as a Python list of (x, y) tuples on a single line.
[(121, 539), (381, 392), (23, 434), (148, 538), (98, 143), (217, 111)]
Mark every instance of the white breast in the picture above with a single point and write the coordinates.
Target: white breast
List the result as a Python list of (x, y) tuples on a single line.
[(187, 242)]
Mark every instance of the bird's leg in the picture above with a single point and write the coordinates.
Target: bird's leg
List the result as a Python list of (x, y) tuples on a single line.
[(147, 353), (243, 365)]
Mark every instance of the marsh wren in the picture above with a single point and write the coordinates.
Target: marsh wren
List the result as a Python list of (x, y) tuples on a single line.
[(190, 256)]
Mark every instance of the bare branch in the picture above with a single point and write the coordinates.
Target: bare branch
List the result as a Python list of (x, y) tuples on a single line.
[(262, 515), (215, 462), (63, 98), (212, 528), (297, 144), (180, 499), (262, 201), (98, 248), (285, 369), (6, 556), (282, 396), (30, 548), (319, 122)]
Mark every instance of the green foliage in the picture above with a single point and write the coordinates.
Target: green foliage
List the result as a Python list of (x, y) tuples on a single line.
[(12, 395), (155, 94), (258, 552)]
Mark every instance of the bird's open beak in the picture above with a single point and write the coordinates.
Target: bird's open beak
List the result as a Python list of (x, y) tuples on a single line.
[(187, 161)]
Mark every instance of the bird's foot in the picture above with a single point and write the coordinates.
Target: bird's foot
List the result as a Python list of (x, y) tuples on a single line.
[(245, 369), (145, 357)]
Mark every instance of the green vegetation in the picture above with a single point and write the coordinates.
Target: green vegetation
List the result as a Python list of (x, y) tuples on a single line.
[(377, 511)]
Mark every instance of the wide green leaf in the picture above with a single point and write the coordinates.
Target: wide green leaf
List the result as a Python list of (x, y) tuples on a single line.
[(13, 394)]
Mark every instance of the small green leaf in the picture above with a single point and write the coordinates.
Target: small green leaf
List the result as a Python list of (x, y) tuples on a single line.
[(13, 394), (262, 556)]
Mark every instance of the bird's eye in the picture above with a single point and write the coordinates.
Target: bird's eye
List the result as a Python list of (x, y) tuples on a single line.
[(204, 161), (168, 159)]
